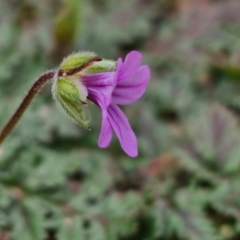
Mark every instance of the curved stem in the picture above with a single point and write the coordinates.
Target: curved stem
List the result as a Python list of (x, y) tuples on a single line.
[(25, 103)]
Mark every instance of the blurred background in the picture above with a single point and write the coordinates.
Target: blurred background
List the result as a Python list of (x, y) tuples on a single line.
[(56, 184)]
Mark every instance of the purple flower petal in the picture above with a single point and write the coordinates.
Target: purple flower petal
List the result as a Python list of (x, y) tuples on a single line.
[(131, 89), (98, 79), (105, 136), (100, 87), (117, 71), (123, 86), (123, 130), (131, 64)]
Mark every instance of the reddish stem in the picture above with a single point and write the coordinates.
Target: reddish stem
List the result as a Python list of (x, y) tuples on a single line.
[(25, 103)]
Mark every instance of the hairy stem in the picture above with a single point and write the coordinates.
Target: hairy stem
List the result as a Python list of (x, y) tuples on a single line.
[(25, 103)]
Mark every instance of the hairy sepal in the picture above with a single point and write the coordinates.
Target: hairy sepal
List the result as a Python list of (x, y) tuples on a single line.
[(71, 96)]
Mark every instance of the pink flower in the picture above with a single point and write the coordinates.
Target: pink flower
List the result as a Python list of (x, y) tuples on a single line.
[(121, 87)]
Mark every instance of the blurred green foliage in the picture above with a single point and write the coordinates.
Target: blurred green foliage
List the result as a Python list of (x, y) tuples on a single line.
[(56, 184)]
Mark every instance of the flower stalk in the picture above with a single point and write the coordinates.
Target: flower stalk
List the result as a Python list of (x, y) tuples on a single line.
[(25, 103)]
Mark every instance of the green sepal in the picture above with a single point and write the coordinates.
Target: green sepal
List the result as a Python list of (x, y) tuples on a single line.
[(68, 90), (76, 60), (68, 95), (102, 66)]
